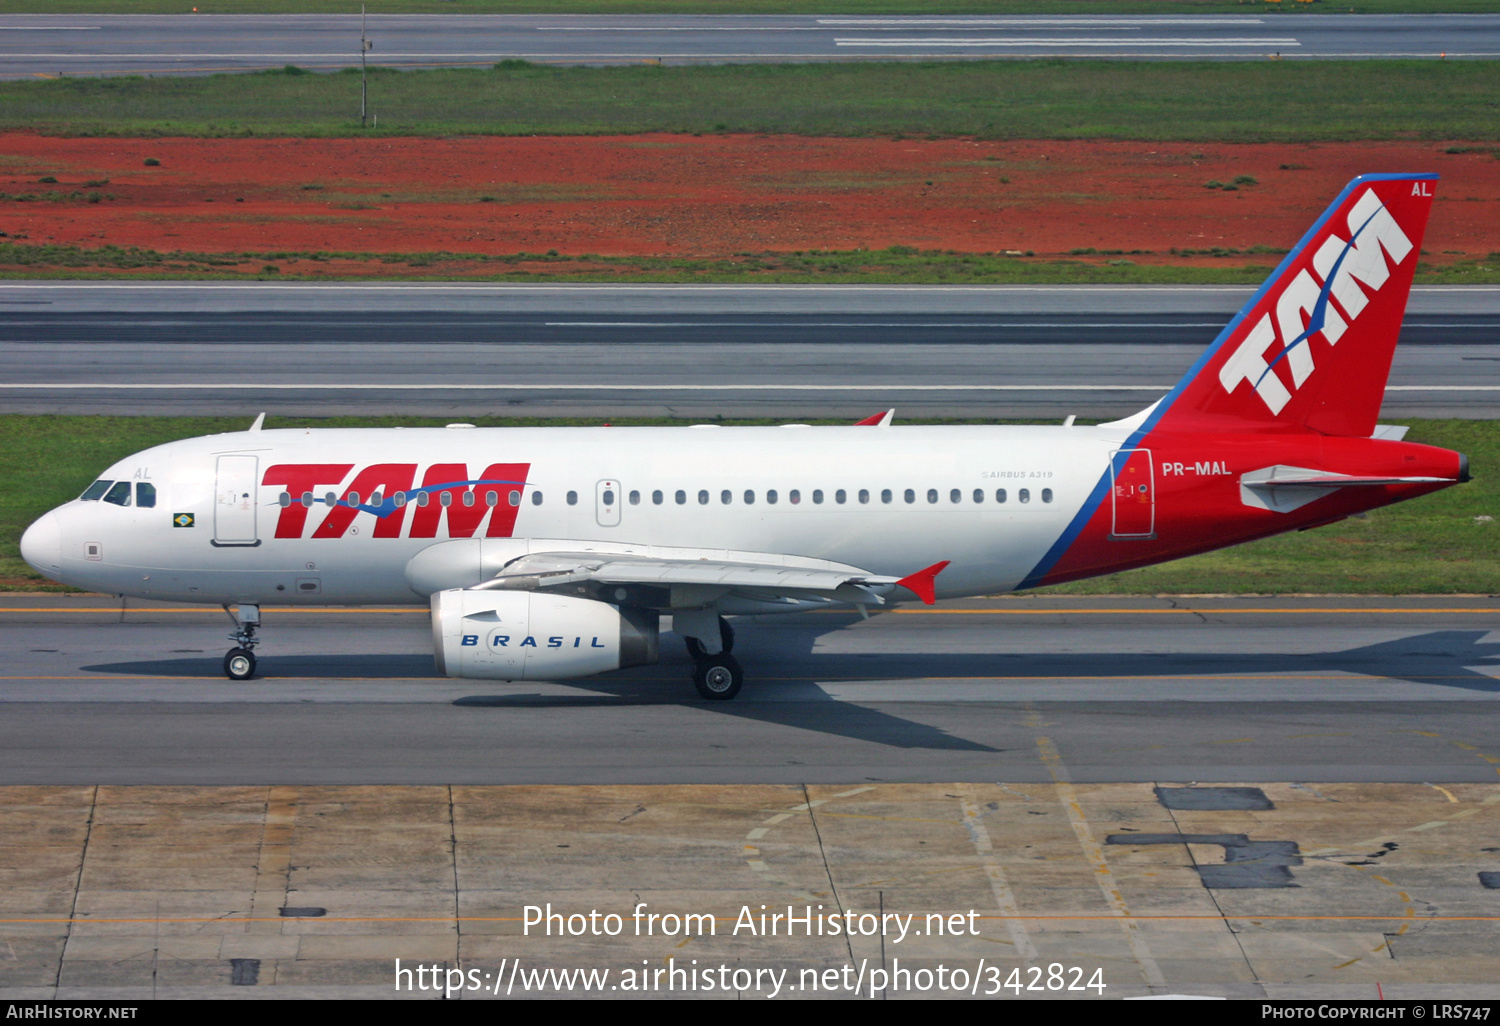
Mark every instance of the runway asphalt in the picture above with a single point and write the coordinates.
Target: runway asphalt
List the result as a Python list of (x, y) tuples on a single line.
[(665, 351), (1206, 689), (158, 44)]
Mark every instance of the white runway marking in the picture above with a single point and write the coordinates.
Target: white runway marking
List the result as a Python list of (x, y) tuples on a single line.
[(1023, 41)]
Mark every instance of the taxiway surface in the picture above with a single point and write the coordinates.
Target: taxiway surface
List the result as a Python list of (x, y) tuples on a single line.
[(1334, 689), (156, 44), (614, 351)]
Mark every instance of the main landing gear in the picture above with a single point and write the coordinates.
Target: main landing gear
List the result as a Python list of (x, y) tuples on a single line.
[(718, 678), (717, 675), (239, 662)]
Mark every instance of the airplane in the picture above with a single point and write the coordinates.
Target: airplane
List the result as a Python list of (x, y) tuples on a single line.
[(553, 553)]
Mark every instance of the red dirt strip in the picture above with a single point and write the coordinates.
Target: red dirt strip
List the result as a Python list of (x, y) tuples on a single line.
[(710, 196)]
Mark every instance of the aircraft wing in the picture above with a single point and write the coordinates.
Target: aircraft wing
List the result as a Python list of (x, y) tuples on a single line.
[(705, 577)]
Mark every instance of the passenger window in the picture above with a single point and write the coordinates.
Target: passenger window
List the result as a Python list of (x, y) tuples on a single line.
[(955, 496), (536, 498), (377, 499), (680, 497), (145, 495), (840, 496), (932, 495), (468, 496), (1024, 495), (979, 495), (119, 494), (446, 498), (703, 497), (818, 497), (885, 495), (749, 497), (910, 496), (1046, 494), (794, 496), (285, 499), (514, 498), (771, 496), (608, 498), (307, 500), (635, 497), (399, 499), (492, 498), (656, 498), (423, 498), (572, 498), (726, 496), (95, 491), (999, 494), (864, 495)]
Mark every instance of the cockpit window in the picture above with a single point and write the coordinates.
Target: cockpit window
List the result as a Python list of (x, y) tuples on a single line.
[(145, 495), (119, 494), (95, 490)]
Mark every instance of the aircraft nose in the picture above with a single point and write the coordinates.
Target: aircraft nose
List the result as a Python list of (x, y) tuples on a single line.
[(41, 545)]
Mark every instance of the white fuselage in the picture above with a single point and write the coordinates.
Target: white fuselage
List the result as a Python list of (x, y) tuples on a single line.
[(862, 496)]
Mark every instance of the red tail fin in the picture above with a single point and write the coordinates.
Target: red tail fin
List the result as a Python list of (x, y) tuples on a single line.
[(1312, 349)]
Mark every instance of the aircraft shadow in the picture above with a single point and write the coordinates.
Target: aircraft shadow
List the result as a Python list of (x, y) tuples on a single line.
[(1445, 659), (359, 665)]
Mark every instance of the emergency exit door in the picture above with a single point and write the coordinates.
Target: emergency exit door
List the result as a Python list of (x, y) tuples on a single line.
[(607, 501), (235, 493), (1132, 493)]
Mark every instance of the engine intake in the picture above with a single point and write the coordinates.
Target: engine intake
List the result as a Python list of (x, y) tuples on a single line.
[(529, 635)]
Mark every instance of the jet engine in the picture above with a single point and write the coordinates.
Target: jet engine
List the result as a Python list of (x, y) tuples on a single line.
[(533, 635)]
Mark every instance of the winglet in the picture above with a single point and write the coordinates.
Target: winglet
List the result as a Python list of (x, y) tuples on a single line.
[(258, 422), (877, 420), (923, 582)]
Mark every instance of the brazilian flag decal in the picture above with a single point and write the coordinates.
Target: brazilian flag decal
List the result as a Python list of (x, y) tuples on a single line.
[(182, 520)]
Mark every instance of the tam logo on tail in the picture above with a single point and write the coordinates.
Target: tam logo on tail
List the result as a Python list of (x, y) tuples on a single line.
[(1312, 349), (1339, 267)]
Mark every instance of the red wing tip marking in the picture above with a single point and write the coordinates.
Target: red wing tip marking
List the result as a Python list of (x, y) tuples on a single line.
[(922, 583), (877, 420)]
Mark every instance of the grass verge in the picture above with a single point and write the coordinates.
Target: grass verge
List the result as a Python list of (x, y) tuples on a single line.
[(1440, 544), (903, 265), (1251, 101)]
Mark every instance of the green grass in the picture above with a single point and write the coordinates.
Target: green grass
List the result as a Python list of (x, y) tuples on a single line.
[(1096, 7), (1044, 99), (897, 265), (1432, 545)]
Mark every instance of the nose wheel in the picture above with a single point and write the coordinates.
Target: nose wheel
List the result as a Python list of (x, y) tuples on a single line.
[(239, 662)]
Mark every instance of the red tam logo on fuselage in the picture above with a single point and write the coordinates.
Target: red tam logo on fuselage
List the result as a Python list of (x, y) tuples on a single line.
[(385, 491)]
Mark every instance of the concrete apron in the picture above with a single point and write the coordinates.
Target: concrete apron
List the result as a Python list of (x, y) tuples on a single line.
[(1257, 890)]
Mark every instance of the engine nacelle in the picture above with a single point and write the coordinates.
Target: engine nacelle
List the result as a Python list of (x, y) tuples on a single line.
[(533, 635)]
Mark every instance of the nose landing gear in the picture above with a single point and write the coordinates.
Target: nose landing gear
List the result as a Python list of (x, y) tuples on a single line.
[(239, 662)]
